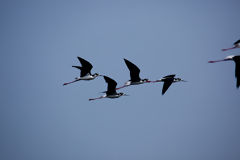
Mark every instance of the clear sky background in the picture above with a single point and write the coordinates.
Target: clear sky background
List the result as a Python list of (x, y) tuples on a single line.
[(42, 120)]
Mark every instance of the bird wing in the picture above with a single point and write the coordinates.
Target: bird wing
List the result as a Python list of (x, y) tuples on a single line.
[(167, 83), (134, 71), (237, 72), (78, 67), (235, 43), (170, 76), (111, 85), (86, 67), (84, 72)]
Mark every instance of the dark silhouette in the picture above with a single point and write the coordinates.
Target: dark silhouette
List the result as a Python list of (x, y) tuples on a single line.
[(134, 75), (85, 73), (111, 90), (167, 82)]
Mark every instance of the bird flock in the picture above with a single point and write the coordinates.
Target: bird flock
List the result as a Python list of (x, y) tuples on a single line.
[(86, 67)]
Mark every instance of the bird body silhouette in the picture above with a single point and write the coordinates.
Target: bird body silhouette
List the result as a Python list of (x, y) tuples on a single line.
[(134, 75), (167, 82), (85, 73), (111, 90)]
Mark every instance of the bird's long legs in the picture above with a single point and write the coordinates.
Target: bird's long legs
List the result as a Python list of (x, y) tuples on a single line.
[(71, 82), (226, 49)]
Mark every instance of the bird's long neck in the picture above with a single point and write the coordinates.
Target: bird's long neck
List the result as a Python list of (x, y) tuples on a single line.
[(94, 75)]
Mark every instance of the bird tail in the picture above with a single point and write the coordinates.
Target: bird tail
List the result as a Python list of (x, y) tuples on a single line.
[(78, 67)]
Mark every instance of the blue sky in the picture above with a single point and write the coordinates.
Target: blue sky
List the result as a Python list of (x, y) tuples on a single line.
[(41, 119)]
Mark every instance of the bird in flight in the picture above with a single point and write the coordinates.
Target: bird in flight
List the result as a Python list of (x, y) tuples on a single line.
[(85, 73), (167, 82), (235, 45), (134, 75), (236, 59), (111, 90)]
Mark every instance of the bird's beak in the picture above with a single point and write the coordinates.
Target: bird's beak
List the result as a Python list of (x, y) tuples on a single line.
[(184, 81), (125, 95)]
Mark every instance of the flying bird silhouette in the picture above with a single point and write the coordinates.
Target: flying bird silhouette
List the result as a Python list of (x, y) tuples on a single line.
[(134, 75), (85, 73), (236, 59), (167, 82), (111, 90)]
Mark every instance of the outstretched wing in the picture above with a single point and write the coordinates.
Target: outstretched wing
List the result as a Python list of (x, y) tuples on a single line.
[(170, 76), (86, 67), (84, 72), (237, 42), (166, 85), (85, 64), (134, 71), (111, 85)]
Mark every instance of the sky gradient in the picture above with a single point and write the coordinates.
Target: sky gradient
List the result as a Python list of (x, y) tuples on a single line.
[(41, 119)]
